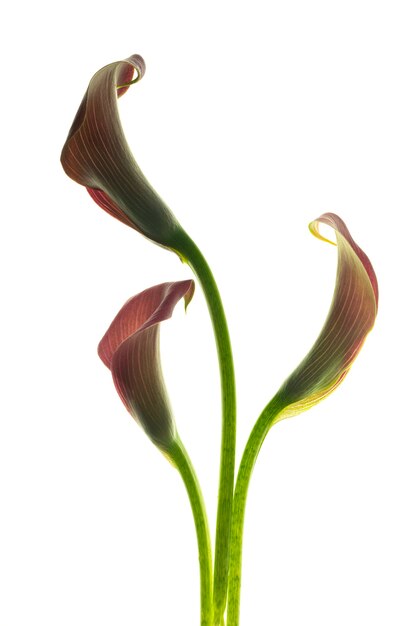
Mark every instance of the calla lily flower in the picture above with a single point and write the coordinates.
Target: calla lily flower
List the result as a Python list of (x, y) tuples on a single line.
[(130, 349), (96, 155), (352, 315)]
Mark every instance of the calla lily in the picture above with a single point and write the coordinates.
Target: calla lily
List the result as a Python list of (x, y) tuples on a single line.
[(130, 349), (351, 317), (96, 155)]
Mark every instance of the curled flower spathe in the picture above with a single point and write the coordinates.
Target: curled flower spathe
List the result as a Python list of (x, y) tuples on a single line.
[(130, 349), (351, 316), (96, 155)]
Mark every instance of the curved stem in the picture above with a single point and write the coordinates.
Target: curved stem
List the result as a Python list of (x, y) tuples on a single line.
[(181, 460), (247, 463), (192, 255)]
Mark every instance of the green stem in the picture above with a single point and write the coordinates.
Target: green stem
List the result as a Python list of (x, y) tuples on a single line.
[(192, 255), (247, 463), (180, 459)]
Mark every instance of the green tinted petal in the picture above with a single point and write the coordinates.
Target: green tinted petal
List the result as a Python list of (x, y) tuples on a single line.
[(96, 155), (351, 317)]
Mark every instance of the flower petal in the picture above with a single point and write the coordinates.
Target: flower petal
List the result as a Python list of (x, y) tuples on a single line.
[(109, 206), (96, 155), (130, 349), (352, 315)]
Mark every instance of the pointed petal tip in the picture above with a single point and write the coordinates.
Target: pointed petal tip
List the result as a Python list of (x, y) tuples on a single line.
[(125, 78), (334, 221), (188, 296), (138, 61)]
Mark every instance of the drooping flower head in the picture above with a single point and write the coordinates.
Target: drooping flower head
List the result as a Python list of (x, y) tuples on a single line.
[(130, 349), (96, 155)]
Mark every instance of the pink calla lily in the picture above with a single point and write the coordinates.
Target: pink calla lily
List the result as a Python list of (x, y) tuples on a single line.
[(352, 315), (130, 349), (96, 155)]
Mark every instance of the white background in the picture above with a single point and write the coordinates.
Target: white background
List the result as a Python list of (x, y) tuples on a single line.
[(252, 119)]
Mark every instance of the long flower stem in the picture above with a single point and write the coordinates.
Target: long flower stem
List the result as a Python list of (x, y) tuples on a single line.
[(192, 255), (179, 457), (247, 463)]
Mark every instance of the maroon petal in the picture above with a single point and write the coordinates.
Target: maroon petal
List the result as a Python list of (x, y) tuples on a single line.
[(96, 155), (130, 349), (109, 206), (351, 317)]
